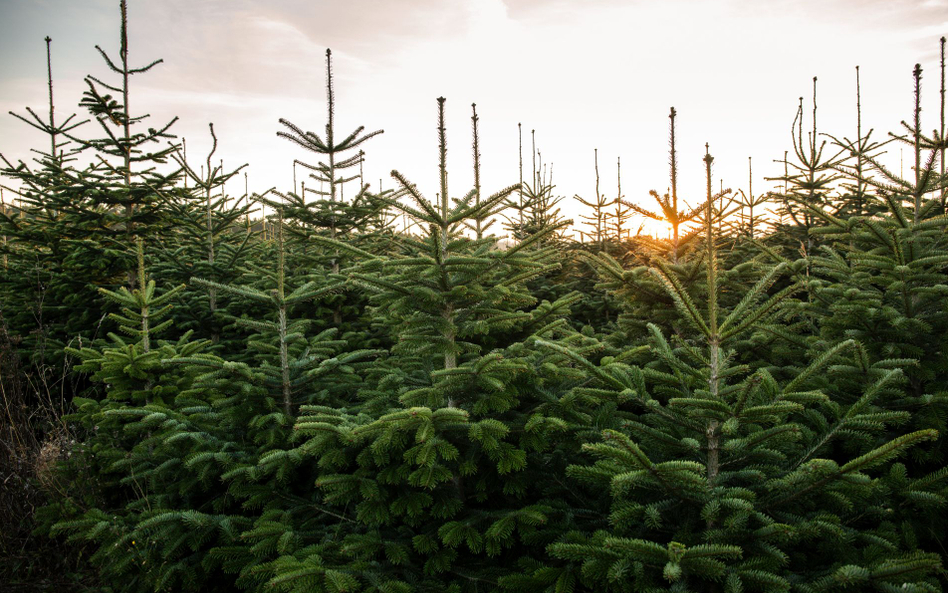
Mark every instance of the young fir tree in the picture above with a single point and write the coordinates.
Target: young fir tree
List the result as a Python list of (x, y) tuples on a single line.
[(434, 491), (483, 220), (881, 277), (47, 297), (597, 310), (640, 296), (209, 239), (942, 130), (536, 209), (105, 496), (747, 223), (744, 477), (332, 172), (598, 219), (455, 263), (619, 218), (877, 278), (117, 194), (810, 180), (883, 271), (858, 199), (517, 222), (727, 462), (330, 214), (669, 205), (198, 469), (285, 354), (143, 315)]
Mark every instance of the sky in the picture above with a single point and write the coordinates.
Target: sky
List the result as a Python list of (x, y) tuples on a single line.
[(584, 74)]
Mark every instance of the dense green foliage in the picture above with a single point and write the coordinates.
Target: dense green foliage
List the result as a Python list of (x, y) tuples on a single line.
[(325, 400)]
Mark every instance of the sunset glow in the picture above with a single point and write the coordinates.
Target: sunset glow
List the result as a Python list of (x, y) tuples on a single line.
[(583, 75)]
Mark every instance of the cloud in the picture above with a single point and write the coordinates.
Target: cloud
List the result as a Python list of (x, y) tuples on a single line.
[(585, 74)]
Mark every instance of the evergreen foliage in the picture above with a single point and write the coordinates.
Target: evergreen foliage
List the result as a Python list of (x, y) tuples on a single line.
[(314, 398), (668, 204), (330, 215), (718, 479), (536, 208), (599, 217), (209, 242)]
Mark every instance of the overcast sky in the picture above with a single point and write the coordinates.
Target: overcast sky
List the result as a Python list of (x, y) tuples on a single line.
[(584, 74)]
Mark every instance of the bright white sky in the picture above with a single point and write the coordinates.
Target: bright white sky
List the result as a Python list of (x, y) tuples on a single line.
[(584, 74)]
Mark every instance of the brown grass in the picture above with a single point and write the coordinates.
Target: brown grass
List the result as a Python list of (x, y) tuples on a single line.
[(33, 438)]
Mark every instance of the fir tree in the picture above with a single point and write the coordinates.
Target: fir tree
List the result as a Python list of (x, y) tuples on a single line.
[(717, 483), (597, 221), (120, 199), (323, 213), (880, 276), (350, 408), (329, 214), (621, 215), (669, 202), (746, 222), (810, 178), (536, 208), (44, 283), (941, 127), (482, 221), (186, 449), (283, 348), (207, 242), (441, 469), (142, 312)]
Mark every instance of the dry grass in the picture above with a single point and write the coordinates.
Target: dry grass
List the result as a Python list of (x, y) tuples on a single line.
[(33, 438)]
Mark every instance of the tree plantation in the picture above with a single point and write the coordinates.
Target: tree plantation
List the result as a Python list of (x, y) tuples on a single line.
[(339, 388)]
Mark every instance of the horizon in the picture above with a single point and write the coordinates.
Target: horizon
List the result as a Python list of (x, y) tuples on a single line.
[(241, 67)]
